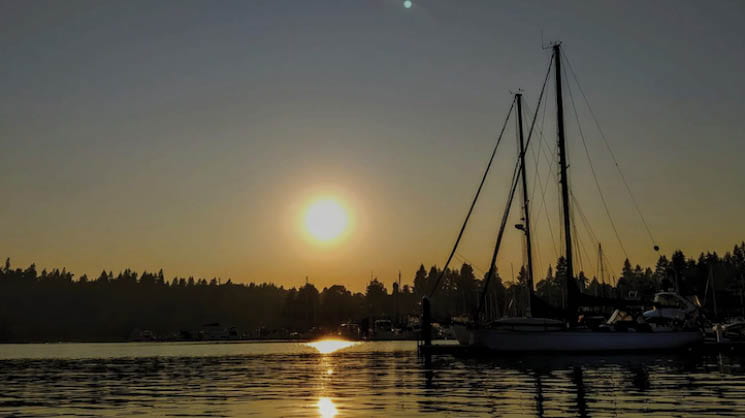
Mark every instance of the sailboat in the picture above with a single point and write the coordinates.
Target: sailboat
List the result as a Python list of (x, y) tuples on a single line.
[(561, 332)]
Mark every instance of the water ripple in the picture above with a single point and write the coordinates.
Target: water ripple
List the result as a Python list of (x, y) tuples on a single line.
[(370, 379)]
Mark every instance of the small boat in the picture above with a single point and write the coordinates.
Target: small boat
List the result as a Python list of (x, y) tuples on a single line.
[(673, 323)]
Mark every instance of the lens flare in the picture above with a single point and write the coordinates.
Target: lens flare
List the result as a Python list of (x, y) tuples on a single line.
[(330, 346)]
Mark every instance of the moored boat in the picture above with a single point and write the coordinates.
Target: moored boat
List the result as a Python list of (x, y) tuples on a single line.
[(672, 324), (574, 340)]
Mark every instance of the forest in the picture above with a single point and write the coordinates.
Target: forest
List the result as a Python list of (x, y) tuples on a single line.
[(54, 305)]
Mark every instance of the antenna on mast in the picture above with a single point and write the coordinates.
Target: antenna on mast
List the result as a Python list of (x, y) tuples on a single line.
[(548, 44)]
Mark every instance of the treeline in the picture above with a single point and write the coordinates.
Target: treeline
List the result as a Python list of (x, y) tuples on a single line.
[(55, 306)]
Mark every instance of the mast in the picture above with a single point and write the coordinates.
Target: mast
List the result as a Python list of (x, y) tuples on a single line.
[(713, 289), (602, 267), (564, 180), (526, 212)]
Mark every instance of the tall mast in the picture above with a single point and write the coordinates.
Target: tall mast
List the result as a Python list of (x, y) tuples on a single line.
[(564, 179), (526, 212)]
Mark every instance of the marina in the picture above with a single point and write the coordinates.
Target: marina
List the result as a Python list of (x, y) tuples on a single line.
[(388, 208)]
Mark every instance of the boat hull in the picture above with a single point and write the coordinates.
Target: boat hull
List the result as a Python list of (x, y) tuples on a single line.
[(573, 341)]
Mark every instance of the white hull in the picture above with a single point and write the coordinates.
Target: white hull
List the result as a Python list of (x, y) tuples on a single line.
[(573, 341)]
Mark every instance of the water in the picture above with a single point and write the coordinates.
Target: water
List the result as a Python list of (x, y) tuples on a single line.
[(366, 379)]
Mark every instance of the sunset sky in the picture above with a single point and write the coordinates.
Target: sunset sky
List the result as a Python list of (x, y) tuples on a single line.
[(194, 136)]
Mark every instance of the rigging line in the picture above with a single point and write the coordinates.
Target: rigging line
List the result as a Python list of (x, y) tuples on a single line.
[(584, 219), (470, 263), (537, 255), (492, 265), (473, 204), (500, 234), (537, 174), (530, 135), (593, 237), (551, 175), (544, 188), (551, 156), (537, 181), (538, 105), (597, 269), (540, 147), (576, 243), (610, 151), (588, 229), (592, 169), (583, 248)]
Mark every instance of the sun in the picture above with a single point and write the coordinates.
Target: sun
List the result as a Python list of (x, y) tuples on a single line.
[(326, 220)]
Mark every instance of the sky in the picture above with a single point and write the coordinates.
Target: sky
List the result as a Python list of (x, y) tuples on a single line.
[(191, 136)]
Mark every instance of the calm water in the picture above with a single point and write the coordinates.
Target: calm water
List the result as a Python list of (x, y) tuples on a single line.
[(368, 379)]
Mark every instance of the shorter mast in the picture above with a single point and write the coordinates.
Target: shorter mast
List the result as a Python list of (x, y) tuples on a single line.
[(526, 211), (492, 265)]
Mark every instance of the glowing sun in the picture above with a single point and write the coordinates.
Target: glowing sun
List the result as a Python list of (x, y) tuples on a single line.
[(326, 220)]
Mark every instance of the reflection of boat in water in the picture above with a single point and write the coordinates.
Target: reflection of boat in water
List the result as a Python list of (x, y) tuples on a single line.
[(577, 340), (568, 385), (672, 324)]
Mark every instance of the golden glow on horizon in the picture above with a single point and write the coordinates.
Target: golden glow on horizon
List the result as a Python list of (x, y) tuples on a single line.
[(331, 345), (326, 220), (326, 407)]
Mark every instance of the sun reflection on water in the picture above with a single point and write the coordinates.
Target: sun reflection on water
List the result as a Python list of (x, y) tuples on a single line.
[(326, 408), (330, 346)]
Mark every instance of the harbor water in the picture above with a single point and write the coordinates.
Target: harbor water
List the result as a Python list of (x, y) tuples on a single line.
[(356, 379)]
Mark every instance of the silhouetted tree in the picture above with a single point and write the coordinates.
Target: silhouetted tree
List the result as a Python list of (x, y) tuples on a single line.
[(52, 306)]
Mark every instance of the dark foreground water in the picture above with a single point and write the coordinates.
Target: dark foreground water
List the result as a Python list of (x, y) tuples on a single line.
[(368, 379)]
